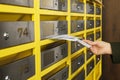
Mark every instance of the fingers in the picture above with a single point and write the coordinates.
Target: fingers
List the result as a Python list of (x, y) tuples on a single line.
[(94, 49), (90, 42)]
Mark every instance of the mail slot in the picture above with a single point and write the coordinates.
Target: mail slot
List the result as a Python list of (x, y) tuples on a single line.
[(53, 55), (80, 76), (18, 70), (77, 62), (90, 66), (60, 5), (75, 46), (27, 3), (90, 8), (98, 22), (90, 24), (60, 75), (48, 28), (77, 25), (89, 54), (90, 37), (15, 33), (77, 6), (98, 11), (97, 35), (97, 58)]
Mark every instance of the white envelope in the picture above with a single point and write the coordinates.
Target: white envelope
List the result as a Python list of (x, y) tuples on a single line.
[(69, 38)]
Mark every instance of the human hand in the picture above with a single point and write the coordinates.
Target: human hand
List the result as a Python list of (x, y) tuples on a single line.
[(100, 47)]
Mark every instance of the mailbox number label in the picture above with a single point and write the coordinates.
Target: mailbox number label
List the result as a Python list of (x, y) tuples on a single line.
[(22, 32)]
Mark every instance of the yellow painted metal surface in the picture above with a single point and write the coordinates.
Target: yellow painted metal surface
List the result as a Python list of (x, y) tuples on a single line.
[(90, 76), (97, 71), (16, 9)]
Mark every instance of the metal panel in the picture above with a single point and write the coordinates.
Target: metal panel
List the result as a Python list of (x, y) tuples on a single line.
[(77, 25), (89, 54), (54, 4), (15, 33), (62, 5), (28, 3), (97, 35), (80, 76), (81, 60), (90, 66), (77, 62), (53, 28), (74, 65), (90, 8), (60, 75), (53, 55), (77, 6), (80, 24), (19, 70), (98, 11), (90, 37), (98, 22), (97, 58), (75, 46), (90, 24)]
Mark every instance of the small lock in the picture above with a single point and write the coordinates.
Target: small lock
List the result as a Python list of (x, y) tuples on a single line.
[(78, 26), (56, 4), (78, 45), (56, 56), (98, 59), (90, 38), (78, 6), (6, 36), (91, 67), (90, 53), (64, 75), (7, 78), (98, 34), (90, 24), (63, 3), (79, 63)]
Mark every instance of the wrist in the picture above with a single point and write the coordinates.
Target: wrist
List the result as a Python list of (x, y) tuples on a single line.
[(109, 48)]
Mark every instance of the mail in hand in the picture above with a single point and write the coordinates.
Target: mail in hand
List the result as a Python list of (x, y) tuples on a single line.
[(69, 38)]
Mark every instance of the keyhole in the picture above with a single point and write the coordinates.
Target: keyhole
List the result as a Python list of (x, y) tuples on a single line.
[(79, 63), (90, 67), (56, 56), (6, 36), (98, 59), (90, 24), (56, 4), (7, 78), (90, 53), (78, 26), (78, 45), (78, 7)]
